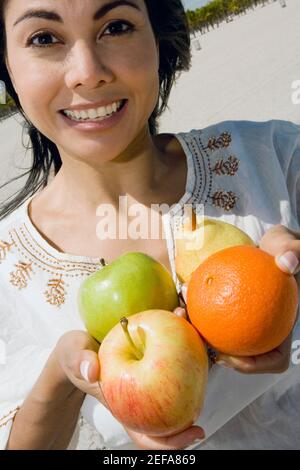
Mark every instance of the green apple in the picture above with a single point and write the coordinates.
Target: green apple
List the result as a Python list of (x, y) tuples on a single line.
[(132, 283), (154, 370)]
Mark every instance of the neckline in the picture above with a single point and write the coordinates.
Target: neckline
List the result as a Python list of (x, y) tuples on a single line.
[(61, 255)]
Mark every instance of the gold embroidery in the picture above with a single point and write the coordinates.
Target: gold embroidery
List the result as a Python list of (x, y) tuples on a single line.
[(56, 293), (54, 266), (222, 199), (50, 259), (35, 255), (20, 277), (10, 418), (229, 167), (5, 247), (225, 200), (221, 142)]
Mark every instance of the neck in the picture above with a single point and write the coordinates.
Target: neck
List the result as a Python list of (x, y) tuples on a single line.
[(137, 173)]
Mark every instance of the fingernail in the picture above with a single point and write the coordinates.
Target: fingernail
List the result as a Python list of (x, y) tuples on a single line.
[(223, 364), (179, 312), (195, 442), (84, 370), (288, 261)]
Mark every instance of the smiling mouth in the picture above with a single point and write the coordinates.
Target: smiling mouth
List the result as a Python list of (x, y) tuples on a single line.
[(84, 118)]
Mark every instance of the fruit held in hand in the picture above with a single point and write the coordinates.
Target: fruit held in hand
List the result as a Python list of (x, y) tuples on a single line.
[(132, 283), (154, 374), (241, 302), (201, 240)]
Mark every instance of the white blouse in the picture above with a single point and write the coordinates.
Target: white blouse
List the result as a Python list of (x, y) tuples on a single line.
[(245, 173)]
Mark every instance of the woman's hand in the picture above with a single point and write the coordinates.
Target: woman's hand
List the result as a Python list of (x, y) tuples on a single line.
[(77, 355), (192, 435), (51, 410), (284, 245), (273, 362)]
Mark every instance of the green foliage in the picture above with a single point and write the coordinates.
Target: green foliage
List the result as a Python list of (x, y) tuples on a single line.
[(217, 11), (7, 109)]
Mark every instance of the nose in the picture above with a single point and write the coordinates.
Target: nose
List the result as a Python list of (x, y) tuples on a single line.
[(85, 68)]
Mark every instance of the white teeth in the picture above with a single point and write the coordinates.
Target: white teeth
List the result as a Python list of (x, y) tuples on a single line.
[(101, 112), (91, 114), (84, 115)]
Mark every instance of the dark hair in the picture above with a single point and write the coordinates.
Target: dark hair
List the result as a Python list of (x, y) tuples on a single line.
[(170, 27)]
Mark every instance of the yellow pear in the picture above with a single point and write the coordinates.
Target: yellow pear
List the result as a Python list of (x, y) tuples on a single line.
[(199, 239)]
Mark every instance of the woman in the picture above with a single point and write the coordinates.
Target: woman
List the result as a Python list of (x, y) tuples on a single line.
[(91, 80)]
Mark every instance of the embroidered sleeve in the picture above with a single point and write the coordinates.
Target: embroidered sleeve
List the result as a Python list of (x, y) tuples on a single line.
[(6, 423), (4, 420)]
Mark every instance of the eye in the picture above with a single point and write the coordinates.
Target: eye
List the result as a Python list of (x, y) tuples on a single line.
[(118, 28), (44, 39)]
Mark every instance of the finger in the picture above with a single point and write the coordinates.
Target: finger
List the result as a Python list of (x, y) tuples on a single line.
[(272, 362), (192, 435), (289, 262), (180, 312), (84, 365), (275, 361), (282, 242), (244, 365), (280, 239)]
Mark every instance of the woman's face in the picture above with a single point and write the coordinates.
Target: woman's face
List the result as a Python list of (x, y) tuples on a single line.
[(84, 58)]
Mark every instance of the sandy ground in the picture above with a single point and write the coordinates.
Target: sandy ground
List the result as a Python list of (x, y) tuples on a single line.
[(244, 70)]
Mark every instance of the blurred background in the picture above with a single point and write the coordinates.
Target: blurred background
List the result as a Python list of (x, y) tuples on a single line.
[(246, 68), (245, 65)]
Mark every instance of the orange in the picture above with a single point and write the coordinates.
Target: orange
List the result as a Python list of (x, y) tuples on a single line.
[(241, 302)]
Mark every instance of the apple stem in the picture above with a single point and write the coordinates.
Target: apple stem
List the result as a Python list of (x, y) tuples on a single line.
[(136, 351), (141, 336)]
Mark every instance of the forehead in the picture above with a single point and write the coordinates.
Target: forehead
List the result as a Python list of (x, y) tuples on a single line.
[(71, 8)]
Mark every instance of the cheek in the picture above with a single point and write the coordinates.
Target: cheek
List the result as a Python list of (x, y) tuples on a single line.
[(141, 72), (32, 77), (37, 86), (37, 89)]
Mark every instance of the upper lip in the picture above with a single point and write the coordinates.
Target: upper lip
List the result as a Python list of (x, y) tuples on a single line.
[(99, 104)]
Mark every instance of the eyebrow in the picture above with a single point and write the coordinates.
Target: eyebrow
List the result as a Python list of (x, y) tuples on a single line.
[(52, 16)]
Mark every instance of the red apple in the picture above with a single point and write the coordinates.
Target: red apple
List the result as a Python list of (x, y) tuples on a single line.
[(154, 369)]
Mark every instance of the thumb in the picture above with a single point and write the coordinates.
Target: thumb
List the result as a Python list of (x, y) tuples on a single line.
[(85, 365), (284, 244), (289, 262), (180, 312)]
